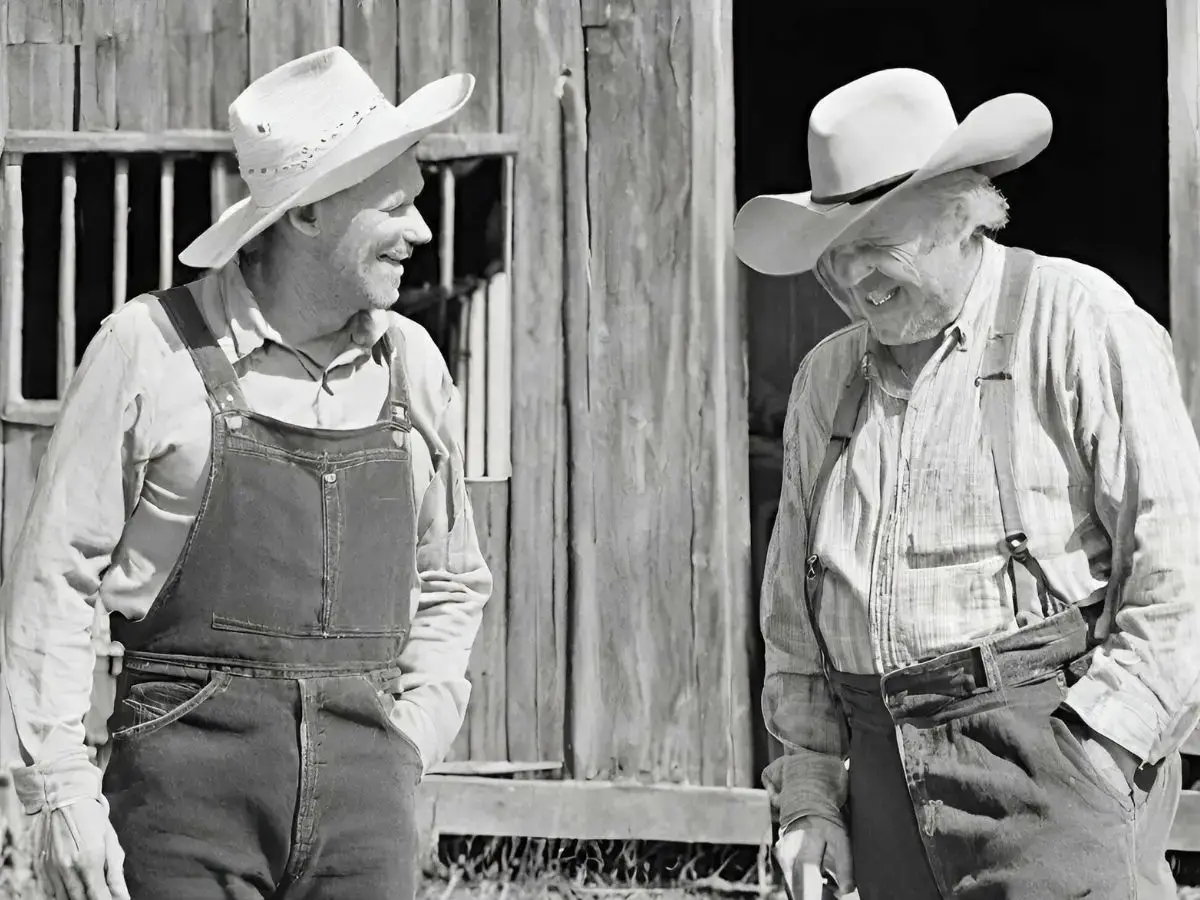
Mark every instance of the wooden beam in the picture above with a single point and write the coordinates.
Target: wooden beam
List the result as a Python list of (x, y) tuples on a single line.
[(433, 148), (538, 39), (588, 810), (12, 282), (66, 276), (486, 713), (120, 231), (1183, 140), (31, 412)]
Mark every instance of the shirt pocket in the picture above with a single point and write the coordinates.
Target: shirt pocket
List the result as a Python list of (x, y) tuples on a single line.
[(953, 509)]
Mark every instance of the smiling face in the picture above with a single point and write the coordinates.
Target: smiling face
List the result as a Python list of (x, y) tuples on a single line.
[(366, 232), (909, 266)]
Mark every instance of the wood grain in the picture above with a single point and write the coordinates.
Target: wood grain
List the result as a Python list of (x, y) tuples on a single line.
[(659, 660), (281, 32), (1183, 131), (594, 811), (98, 67), (41, 86), (489, 688), (141, 65), (538, 39), (475, 48), (190, 66), (35, 22), (231, 57), (423, 44), (369, 32)]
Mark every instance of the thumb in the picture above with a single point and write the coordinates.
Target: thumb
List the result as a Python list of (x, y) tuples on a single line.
[(114, 868)]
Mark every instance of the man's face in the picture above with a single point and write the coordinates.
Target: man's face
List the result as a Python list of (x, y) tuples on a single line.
[(906, 284), (367, 231)]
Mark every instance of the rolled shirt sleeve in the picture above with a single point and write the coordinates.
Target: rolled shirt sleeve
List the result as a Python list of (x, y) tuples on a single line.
[(74, 522), (455, 582), (1142, 689)]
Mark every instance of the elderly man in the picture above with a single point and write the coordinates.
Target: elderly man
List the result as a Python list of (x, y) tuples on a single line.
[(982, 590), (257, 475)]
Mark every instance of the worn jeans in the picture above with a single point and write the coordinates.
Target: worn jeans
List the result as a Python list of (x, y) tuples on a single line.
[(967, 781)]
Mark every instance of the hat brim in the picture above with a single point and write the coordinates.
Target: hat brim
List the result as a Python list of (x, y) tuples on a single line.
[(376, 142), (785, 234)]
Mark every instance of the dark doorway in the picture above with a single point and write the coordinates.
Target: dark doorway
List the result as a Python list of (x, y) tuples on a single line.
[(1098, 194)]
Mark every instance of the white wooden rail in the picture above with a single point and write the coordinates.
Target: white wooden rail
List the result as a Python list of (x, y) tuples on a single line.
[(482, 371)]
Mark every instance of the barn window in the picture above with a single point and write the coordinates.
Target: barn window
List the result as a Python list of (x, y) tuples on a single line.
[(92, 218)]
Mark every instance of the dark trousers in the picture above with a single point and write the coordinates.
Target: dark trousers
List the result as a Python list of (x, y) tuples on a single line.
[(967, 780), (244, 788)]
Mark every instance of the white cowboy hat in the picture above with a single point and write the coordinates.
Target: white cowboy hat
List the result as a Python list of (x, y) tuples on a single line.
[(870, 139), (315, 126)]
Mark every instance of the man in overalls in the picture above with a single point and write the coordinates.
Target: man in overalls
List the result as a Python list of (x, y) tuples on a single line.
[(258, 476), (982, 589)]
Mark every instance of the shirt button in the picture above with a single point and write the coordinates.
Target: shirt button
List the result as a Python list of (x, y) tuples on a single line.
[(330, 477)]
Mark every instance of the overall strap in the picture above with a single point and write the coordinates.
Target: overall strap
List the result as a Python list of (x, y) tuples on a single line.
[(996, 382), (845, 420), (399, 399), (220, 380)]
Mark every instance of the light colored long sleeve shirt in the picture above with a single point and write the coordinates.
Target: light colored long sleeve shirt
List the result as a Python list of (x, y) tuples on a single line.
[(1108, 473), (121, 482)]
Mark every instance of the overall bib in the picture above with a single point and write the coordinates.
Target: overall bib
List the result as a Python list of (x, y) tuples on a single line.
[(967, 777), (253, 753)]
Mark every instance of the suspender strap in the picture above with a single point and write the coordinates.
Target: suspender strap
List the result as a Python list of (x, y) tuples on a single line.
[(844, 422), (220, 380), (398, 397), (996, 383)]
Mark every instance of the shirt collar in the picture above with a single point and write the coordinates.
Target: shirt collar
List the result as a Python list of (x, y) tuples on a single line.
[(242, 327)]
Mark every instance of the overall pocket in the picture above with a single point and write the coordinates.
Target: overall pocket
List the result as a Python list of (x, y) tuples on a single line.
[(385, 701), (151, 703)]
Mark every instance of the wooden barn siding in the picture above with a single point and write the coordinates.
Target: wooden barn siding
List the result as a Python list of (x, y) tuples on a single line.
[(656, 645)]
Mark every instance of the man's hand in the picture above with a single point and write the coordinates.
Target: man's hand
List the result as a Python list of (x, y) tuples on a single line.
[(77, 855), (812, 841)]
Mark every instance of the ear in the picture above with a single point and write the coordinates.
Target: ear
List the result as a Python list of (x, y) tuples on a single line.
[(304, 220)]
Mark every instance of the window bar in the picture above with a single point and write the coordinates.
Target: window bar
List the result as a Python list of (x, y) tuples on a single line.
[(477, 310), (499, 343), (166, 224), (13, 306), (120, 231), (446, 199), (66, 276), (217, 177)]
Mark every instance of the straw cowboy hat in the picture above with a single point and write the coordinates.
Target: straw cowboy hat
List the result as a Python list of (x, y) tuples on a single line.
[(869, 141), (315, 126)]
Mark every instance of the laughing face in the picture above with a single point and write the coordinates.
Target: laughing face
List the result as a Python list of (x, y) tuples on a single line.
[(369, 230)]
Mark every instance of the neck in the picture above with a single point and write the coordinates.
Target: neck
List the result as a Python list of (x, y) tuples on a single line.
[(295, 297)]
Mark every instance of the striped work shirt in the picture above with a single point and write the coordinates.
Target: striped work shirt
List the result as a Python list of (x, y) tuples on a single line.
[(1108, 472)]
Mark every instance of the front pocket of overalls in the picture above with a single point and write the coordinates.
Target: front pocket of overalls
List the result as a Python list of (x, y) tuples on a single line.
[(152, 705), (1077, 757), (385, 701)]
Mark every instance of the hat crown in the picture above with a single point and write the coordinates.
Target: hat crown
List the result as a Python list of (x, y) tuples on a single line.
[(286, 120), (876, 129)]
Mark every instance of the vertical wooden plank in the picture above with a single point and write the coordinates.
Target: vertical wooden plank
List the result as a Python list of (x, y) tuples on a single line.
[(423, 44), (369, 30), (218, 185), (231, 57), (166, 223), (98, 67), (718, 423), (280, 32), (141, 66), (35, 22), (663, 670), (498, 426), (120, 231), (41, 86), (538, 39), (477, 349), (488, 729), (475, 48), (73, 12), (190, 26), (12, 282), (1183, 99), (66, 277)]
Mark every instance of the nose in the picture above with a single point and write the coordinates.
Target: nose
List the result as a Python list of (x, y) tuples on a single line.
[(414, 227)]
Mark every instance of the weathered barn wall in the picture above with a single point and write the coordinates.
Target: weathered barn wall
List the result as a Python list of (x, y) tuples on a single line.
[(635, 666)]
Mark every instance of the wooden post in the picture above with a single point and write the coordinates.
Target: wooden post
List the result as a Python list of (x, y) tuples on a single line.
[(66, 277), (1183, 99), (120, 231), (217, 179), (477, 356)]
